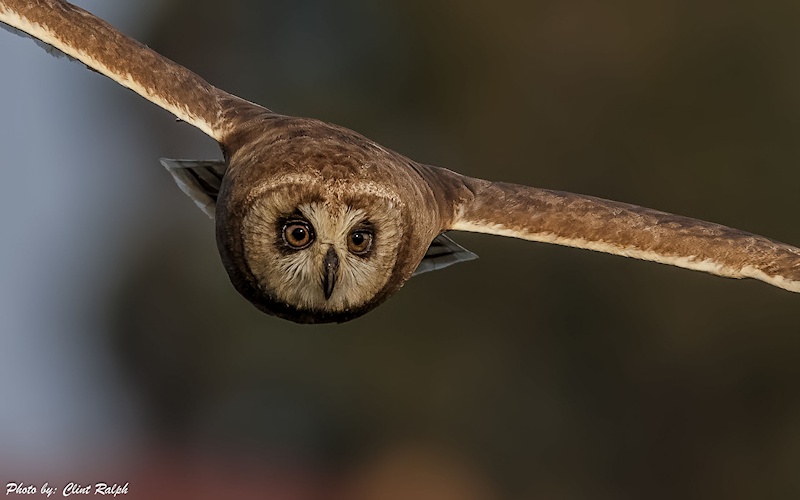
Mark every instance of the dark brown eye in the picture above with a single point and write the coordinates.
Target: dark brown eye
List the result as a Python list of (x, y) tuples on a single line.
[(297, 234), (360, 242)]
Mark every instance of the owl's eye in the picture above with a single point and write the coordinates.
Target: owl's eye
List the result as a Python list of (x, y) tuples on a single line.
[(298, 234), (360, 241)]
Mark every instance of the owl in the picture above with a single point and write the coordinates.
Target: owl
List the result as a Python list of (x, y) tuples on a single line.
[(316, 223)]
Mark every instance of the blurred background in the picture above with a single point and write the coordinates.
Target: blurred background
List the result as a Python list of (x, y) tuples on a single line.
[(534, 372)]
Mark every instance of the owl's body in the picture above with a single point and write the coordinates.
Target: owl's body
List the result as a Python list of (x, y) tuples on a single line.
[(316, 223)]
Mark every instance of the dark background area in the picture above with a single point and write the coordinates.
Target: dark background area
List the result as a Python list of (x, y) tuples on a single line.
[(534, 372)]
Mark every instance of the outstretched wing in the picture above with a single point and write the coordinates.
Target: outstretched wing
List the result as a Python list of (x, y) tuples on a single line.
[(83, 36), (621, 229)]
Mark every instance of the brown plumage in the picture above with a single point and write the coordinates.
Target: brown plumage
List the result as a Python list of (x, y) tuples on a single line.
[(316, 223)]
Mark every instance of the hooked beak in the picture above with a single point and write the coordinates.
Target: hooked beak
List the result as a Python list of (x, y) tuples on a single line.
[(330, 266)]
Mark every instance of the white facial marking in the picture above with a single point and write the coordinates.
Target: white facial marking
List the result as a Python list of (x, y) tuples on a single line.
[(295, 276)]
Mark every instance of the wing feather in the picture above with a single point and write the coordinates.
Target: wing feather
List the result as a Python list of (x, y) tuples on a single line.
[(443, 252), (82, 36), (201, 180), (622, 229)]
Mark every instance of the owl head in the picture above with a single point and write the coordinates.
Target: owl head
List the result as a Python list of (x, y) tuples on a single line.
[(314, 251), (314, 223)]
